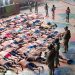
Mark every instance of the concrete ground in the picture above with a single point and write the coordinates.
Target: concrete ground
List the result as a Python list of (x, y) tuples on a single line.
[(64, 69)]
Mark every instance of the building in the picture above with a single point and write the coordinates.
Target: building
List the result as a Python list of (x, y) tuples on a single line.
[(5, 2)]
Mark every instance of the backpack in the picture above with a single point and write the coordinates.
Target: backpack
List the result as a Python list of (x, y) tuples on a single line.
[(67, 35)]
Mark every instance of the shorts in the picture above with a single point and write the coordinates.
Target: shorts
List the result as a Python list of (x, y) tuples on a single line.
[(31, 66)]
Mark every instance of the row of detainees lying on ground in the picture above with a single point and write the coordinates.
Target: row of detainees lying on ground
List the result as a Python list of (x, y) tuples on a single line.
[(24, 61)]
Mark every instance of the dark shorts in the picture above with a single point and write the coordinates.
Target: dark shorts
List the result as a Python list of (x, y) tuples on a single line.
[(40, 59), (7, 65), (31, 66), (67, 16), (30, 59), (14, 53)]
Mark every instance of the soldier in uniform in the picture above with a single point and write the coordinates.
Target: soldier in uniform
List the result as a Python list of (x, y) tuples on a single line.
[(46, 9), (50, 59)]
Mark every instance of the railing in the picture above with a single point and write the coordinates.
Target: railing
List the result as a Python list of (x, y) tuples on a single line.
[(9, 10)]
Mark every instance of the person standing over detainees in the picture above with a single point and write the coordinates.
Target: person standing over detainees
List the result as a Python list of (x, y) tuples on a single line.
[(67, 36), (36, 7), (67, 14), (57, 47), (46, 9), (53, 12), (30, 6), (50, 59)]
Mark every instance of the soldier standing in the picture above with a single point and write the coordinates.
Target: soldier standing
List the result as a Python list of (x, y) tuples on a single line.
[(36, 7), (46, 9), (50, 59), (30, 6), (57, 47), (67, 36), (67, 14), (53, 12)]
